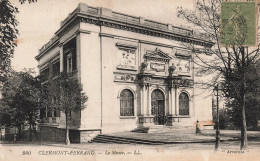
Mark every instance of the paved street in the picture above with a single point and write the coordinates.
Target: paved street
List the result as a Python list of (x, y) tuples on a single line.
[(96, 151)]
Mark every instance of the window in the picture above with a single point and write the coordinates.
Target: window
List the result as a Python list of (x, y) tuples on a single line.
[(45, 73), (56, 113), (70, 56), (42, 113), (55, 68), (69, 63), (49, 112), (184, 104), (126, 103)]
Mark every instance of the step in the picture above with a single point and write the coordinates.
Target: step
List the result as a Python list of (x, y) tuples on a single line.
[(120, 140), (110, 141), (161, 129), (140, 130), (115, 139)]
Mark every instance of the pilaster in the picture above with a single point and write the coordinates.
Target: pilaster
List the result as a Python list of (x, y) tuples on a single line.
[(78, 54), (176, 100), (146, 119), (148, 100), (61, 57)]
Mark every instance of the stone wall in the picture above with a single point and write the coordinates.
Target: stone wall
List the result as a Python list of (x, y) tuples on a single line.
[(86, 136), (55, 134), (48, 133)]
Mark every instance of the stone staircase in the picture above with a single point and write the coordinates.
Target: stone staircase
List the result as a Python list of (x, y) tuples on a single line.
[(122, 140), (161, 129), (155, 131)]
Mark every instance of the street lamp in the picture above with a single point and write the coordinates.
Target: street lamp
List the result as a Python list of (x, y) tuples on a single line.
[(216, 92)]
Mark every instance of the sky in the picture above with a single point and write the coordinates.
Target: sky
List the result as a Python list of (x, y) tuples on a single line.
[(39, 21)]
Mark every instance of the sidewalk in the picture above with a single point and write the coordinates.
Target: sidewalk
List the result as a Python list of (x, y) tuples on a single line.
[(178, 136), (173, 137)]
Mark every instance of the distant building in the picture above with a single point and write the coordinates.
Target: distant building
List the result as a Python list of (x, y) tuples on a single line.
[(134, 71)]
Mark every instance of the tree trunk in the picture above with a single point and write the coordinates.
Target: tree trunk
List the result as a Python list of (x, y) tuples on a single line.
[(18, 137), (243, 127), (255, 123), (35, 132), (67, 131), (30, 133)]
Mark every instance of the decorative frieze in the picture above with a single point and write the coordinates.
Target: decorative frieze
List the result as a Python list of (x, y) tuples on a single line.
[(179, 82), (125, 77), (157, 67)]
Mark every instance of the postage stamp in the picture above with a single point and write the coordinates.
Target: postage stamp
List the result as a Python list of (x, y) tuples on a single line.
[(238, 23)]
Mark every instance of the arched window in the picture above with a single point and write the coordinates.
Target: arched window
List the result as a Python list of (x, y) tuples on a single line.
[(126, 103), (184, 104)]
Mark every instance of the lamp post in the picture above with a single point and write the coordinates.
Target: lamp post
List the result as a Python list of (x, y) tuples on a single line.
[(216, 88)]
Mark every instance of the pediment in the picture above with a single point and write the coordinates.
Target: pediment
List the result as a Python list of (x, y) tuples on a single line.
[(157, 55)]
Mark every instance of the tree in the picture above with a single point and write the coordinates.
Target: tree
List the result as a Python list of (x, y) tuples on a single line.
[(8, 35), (22, 95), (227, 63), (65, 94), (252, 99)]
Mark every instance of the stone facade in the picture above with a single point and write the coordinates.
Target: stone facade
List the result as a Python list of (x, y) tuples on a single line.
[(134, 71)]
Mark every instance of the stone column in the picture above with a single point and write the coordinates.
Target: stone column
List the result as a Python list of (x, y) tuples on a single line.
[(170, 101), (145, 100), (173, 101), (61, 58), (170, 117), (142, 101), (176, 101), (78, 54), (148, 101)]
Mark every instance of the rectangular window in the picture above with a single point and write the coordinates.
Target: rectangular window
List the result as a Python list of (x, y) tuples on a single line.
[(70, 56), (42, 113), (56, 113), (45, 73), (49, 112), (55, 68)]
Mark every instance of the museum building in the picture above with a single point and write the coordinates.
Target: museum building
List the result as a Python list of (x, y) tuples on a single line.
[(135, 72)]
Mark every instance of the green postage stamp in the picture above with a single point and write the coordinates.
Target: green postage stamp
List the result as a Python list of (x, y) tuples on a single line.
[(238, 24)]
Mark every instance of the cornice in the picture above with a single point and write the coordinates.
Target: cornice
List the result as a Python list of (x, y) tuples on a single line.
[(143, 29), (108, 18), (56, 55), (47, 49), (79, 31)]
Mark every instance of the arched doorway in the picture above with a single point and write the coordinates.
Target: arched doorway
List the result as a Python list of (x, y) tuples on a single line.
[(158, 107)]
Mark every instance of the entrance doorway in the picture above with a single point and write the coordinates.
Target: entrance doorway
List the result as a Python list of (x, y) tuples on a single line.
[(158, 107)]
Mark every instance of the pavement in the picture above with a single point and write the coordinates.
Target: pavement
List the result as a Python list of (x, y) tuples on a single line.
[(229, 150), (187, 136), (188, 139)]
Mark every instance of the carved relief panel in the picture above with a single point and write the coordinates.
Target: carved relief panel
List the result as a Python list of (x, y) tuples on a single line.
[(183, 64), (126, 56)]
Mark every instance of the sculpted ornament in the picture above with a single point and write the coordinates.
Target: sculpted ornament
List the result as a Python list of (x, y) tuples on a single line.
[(144, 66), (171, 69)]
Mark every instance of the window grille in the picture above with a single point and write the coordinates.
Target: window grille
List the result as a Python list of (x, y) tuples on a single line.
[(183, 104), (126, 103)]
